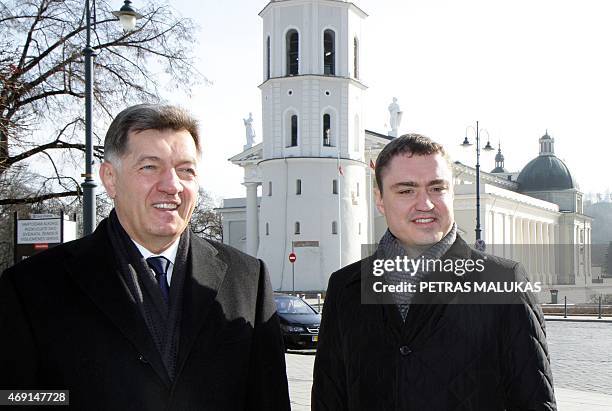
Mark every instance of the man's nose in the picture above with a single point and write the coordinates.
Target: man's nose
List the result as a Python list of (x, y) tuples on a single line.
[(170, 183), (423, 202)]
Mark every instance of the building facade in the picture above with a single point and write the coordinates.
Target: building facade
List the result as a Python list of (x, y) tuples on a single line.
[(309, 183)]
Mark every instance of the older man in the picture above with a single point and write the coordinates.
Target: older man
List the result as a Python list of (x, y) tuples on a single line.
[(142, 314), (427, 350)]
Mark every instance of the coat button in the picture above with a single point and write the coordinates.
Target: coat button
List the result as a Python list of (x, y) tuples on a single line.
[(404, 350), (142, 359)]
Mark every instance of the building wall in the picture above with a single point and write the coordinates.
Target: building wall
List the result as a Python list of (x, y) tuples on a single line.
[(316, 208)]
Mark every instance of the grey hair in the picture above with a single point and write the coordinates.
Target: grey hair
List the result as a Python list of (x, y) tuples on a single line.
[(147, 117)]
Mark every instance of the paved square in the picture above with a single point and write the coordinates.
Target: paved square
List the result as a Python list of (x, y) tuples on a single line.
[(581, 362)]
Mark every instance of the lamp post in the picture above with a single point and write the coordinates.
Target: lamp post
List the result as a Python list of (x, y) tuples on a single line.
[(127, 16), (480, 244)]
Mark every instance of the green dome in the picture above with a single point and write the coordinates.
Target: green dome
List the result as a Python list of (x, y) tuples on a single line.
[(543, 173)]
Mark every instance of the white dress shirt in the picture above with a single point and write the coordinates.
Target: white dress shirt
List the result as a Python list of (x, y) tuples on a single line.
[(169, 253)]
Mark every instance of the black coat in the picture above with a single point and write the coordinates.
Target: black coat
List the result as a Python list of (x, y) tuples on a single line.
[(67, 321), (445, 357)]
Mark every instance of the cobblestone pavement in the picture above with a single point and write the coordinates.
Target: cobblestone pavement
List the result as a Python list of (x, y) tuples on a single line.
[(581, 355)]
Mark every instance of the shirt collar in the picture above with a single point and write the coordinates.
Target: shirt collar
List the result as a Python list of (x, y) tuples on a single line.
[(169, 253)]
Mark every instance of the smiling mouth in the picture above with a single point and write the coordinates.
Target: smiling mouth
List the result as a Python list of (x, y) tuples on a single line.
[(423, 220), (166, 206)]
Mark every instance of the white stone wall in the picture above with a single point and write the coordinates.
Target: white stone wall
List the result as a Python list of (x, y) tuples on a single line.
[(315, 209)]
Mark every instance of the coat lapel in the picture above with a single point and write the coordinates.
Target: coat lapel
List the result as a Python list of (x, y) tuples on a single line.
[(206, 273), (93, 268), (427, 310)]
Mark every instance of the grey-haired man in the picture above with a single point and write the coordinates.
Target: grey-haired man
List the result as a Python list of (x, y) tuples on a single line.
[(143, 314)]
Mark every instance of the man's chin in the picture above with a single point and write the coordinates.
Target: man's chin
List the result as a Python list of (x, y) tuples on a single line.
[(426, 240), (168, 230)]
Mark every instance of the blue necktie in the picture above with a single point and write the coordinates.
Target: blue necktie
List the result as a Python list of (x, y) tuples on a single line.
[(160, 265)]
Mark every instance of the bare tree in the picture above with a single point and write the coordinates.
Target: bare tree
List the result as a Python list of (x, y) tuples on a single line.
[(42, 81), (205, 221)]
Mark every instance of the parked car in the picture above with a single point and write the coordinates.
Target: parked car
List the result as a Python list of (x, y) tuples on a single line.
[(298, 320)]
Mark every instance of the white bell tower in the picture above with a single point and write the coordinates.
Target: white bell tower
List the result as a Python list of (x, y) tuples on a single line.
[(313, 174)]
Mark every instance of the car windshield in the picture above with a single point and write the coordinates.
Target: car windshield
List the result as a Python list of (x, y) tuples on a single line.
[(286, 305)]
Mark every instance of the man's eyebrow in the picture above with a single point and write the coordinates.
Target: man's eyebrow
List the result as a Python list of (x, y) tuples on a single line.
[(414, 184), (188, 160), (142, 159), (404, 184), (439, 181)]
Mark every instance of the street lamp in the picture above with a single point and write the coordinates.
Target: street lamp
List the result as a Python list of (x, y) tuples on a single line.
[(127, 16), (480, 244)]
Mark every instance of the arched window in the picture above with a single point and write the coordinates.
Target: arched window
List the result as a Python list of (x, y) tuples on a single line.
[(267, 228), (294, 131), (327, 130), (268, 58), (334, 186), (334, 227), (293, 44), (356, 57), (298, 187), (329, 53), (297, 227)]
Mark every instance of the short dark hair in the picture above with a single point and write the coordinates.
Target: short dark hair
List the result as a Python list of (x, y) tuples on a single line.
[(414, 144), (147, 117)]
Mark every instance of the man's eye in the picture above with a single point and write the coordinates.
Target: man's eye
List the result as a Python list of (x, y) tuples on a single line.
[(188, 170), (406, 191), (148, 167), (439, 189)]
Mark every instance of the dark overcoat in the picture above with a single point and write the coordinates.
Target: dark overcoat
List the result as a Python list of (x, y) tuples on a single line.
[(68, 321), (447, 356)]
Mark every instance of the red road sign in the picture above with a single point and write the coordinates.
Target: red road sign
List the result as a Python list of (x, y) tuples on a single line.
[(292, 258)]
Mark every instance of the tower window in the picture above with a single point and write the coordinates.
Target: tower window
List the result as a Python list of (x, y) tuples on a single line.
[(293, 44), (327, 130), (357, 190), (359, 229), (267, 228), (298, 187), (268, 58), (294, 130), (335, 186), (297, 227), (329, 53), (270, 188), (334, 227), (356, 57)]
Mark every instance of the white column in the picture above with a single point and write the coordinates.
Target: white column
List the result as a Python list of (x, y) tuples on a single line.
[(518, 242), (576, 252), (545, 254), (252, 225), (538, 247), (587, 240), (551, 253), (529, 247), (491, 234)]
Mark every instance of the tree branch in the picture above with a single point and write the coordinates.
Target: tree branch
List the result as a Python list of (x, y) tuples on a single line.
[(38, 199)]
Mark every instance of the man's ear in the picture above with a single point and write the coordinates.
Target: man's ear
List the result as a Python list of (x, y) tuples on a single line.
[(379, 201), (108, 176)]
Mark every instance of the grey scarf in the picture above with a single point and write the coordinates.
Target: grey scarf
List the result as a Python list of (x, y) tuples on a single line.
[(390, 247)]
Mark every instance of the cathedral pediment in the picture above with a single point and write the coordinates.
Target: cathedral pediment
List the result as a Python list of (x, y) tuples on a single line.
[(249, 156)]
